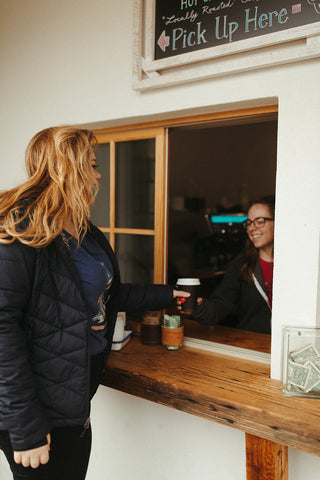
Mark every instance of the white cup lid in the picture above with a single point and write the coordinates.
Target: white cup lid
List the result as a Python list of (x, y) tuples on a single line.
[(188, 281)]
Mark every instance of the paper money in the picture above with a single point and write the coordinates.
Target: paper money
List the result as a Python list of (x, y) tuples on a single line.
[(298, 374), (303, 373), (313, 377), (308, 352), (171, 321)]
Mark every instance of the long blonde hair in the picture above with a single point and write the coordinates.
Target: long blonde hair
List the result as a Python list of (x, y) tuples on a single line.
[(59, 187)]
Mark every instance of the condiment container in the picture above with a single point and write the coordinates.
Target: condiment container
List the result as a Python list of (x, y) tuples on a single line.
[(121, 336), (150, 328), (172, 332)]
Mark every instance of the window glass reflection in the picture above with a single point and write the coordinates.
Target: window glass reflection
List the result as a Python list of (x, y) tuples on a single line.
[(135, 174), (135, 257), (100, 214)]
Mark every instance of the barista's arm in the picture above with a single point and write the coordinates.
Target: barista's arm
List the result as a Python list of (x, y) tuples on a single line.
[(223, 302)]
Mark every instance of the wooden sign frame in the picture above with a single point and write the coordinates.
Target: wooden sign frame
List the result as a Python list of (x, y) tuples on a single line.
[(287, 46)]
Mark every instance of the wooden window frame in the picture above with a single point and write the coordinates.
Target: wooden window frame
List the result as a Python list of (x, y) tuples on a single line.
[(158, 232)]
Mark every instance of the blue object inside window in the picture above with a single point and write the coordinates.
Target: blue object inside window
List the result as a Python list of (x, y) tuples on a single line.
[(228, 218)]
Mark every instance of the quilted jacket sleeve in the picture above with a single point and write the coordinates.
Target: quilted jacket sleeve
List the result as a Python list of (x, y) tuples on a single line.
[(138, 298), (20, 411)]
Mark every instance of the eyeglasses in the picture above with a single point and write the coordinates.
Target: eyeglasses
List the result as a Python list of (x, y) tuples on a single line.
[(257, 222)]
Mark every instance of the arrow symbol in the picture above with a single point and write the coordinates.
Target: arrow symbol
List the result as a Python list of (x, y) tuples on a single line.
[(163, 41)]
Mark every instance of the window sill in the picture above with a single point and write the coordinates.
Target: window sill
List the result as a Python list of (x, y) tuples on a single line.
[(234, 392), (224, 340)]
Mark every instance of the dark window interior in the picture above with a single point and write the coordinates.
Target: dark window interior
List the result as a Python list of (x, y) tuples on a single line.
[(215, 170)]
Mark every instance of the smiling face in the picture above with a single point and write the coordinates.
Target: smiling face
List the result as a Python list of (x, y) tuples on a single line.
[(261, 237)]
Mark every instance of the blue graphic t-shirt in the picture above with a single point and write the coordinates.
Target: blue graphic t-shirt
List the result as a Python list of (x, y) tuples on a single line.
[(96, 273)]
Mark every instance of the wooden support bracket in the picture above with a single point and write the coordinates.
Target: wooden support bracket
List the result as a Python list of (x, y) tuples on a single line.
[(266, 460)]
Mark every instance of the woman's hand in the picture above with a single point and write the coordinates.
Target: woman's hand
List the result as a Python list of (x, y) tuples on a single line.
[(35, 456), (180, 295)]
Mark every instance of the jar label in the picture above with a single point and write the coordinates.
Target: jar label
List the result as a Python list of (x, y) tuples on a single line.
[(172, 337)]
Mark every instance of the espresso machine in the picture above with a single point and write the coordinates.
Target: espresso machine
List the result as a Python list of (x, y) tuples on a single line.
[(214, 252)]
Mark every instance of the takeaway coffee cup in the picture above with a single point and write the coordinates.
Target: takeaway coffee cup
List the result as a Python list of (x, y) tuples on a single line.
[(191, 285)]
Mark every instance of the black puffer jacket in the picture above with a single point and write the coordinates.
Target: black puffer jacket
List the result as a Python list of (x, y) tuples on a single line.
[(44, 337)]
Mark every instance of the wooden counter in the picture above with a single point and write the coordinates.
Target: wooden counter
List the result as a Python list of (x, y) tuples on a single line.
[(234, 392), (234, 337)]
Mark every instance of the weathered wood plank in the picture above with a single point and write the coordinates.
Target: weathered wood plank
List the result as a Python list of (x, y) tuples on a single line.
[(265, 460), (233, 392)]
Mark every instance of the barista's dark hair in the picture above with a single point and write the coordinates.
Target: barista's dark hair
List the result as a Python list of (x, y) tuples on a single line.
[(251, 253)]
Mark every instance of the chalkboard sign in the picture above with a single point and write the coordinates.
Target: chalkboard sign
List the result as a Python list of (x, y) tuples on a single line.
[(184, 26)]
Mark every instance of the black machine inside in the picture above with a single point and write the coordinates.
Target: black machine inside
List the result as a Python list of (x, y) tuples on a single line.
[(226, 240)]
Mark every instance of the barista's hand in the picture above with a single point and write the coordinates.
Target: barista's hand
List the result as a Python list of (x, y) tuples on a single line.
[(35, 456), (199, 301), (180, 295)]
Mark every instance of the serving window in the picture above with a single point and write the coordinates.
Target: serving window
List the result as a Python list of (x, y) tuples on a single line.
[(171, 196)]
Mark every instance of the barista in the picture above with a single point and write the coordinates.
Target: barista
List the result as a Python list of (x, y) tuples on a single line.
[(245, 292)]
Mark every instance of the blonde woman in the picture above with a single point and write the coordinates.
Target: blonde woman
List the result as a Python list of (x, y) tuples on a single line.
[(60, 292)]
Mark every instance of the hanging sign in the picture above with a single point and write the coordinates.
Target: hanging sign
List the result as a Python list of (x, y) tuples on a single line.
[(186, 40), (184, 26)]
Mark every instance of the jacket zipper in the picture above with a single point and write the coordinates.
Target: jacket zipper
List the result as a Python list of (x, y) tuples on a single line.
[(82, 293)]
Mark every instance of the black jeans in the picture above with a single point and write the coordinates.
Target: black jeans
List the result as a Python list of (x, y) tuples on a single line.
[(69, 456)]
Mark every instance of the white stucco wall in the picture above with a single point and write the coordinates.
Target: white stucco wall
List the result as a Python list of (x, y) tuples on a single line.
[(170, 444), (70, 62)]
